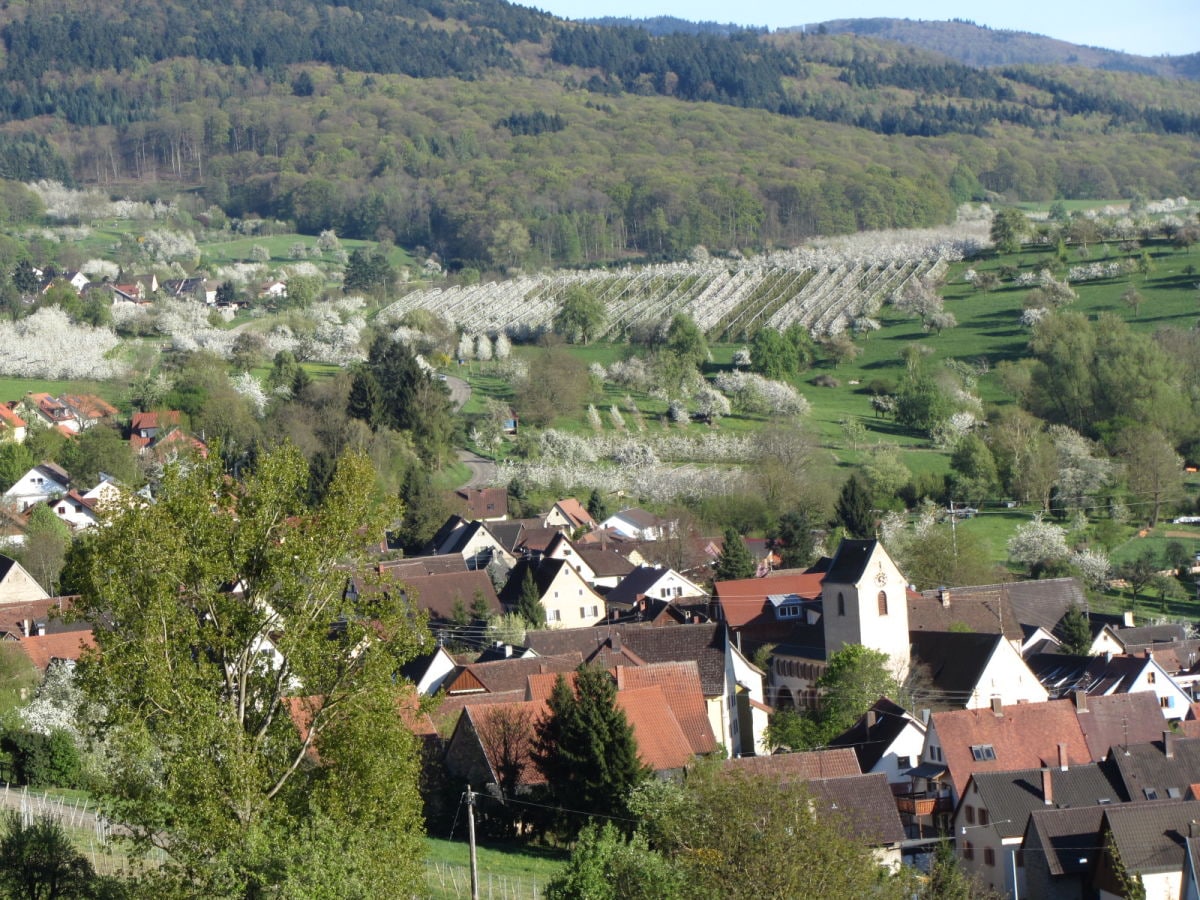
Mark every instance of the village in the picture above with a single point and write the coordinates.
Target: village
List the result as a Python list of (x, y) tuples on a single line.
[(1053, 773)]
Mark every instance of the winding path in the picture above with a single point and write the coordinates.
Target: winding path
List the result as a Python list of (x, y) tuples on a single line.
[(483, 471)]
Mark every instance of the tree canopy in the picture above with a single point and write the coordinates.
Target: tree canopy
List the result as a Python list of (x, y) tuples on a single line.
[(253, 703)]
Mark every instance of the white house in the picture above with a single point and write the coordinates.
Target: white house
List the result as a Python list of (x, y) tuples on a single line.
[(637, 524), (567, 598), (38, 485), (17, 585), (655, 583)]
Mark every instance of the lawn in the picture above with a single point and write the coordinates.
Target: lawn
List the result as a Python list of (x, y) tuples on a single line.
[(505, 871)]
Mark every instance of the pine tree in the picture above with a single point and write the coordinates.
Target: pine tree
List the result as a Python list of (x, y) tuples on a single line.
[(854, 508), (596, 506), (734, 561), (585, 747), (1076, 634), (529, 603)]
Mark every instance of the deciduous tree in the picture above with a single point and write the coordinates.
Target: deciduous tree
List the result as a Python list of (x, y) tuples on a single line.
[(253, 702)]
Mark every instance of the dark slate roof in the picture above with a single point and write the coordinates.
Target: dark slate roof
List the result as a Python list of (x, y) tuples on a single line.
[(604, 561), (635, 584), (401, 569), (1150, 836), (6, 563), (1069, 838), (513, 674), (1061, 673), (850, 561), (449, 527), (1118, 720), (1147, 774), (461, 537), (1142, 636), (508, 533), (865, 803), (1039, 603), (871, 743), (956, 660), (705, 644), (1013, 796), (544, 572)]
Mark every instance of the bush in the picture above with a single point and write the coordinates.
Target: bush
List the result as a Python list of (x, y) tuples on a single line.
[(40, 760)]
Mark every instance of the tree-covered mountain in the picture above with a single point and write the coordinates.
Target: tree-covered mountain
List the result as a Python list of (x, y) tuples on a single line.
[(499, 136), (977, 45)]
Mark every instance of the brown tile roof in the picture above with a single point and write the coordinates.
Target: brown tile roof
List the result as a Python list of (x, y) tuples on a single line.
[(793, 767), (1024, 736), (445, 714), (89, 405), (1039, 603), (604, 560), (438, 594), (483, 503), (866, 805), (510, 674), (744, 601), (155, 419), (680, 682), (43, 650), (982, 611), (1120, 719), (403, 569)]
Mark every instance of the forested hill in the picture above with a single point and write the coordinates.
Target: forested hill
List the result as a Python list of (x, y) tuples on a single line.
[(975, 45), (501, 137)]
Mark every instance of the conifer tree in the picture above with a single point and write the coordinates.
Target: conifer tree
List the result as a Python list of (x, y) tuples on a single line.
[(529, 603), (854, 508), (734, 561), (585, 748)]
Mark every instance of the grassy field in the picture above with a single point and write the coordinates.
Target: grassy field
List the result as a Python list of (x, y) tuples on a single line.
[(503, 871)]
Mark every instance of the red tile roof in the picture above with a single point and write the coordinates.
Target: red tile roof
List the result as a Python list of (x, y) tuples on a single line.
[(680, 682), (1024, 736), (9, 417), (577, 513), (43, 650), (745, 601), (661, 743)]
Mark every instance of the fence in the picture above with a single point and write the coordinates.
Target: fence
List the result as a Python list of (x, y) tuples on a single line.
[(448, 880), (84, 823)]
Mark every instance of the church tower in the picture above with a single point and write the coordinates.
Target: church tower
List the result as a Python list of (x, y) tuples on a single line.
[(864, 600)]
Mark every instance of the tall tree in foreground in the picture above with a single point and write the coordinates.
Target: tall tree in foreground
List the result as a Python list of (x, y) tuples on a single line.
[(253, 703), (584, 746), (855, 508)]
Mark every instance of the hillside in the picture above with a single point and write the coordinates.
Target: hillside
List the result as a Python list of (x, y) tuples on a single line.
[(501, 138), (975, 45)]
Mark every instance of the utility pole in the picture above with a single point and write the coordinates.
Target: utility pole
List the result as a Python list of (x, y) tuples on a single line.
[(471, 839)]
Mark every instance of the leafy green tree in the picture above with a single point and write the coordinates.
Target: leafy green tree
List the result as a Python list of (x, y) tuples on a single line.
[(1155, 470), (974, 477), (425, 510), (734, 561), (855, 507), (368, 271), (39, 861), (735, 835), (1139, 571), (529, 602), (855, 677), (1009, 227), (605, 865), (15, 460), (1074, 630), (1176, 556), (584, 746), (245, 765), (581, 316), (789, 730), (44, 551), (686, 340), (100, 449), (411, 400)]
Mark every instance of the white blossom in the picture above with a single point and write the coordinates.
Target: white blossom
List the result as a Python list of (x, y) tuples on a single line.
[(1037, 542), (48, 344)]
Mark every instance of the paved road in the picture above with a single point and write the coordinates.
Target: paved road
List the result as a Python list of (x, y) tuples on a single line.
[(483, 471)]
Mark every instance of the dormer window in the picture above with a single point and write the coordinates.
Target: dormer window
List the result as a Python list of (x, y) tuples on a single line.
[(983, 752)]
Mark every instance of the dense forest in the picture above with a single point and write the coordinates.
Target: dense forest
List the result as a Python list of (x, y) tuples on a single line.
[(499, 137)]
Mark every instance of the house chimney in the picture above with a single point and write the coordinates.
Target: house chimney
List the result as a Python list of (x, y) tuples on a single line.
[(944, 597), (41, 629), (870, 719), (1193, 829), (1128, 618), (25, 624), (1169, 744), (997, 706), (1048, 787), (614, 641), (507, 650), (1081, 701), (1062, 757)]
